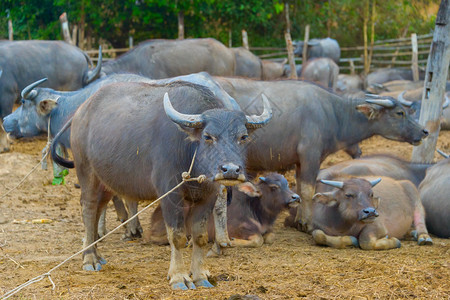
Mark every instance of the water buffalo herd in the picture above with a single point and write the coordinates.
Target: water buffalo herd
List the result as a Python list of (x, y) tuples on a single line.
[(137, 123)]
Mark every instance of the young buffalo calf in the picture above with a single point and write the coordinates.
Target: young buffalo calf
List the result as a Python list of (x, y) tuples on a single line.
[(251, 214), (349, 212)]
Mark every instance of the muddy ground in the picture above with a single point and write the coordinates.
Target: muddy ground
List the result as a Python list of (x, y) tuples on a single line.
[(293, 267)]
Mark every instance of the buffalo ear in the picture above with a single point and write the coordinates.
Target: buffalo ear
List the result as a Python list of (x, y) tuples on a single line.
[(376, 202), (325, 198), (369, 110), (46, 106), (193, 134), (249, 189)]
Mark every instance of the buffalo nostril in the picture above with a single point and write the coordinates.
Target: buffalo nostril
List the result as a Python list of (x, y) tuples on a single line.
[(224, 169), (425, 132), (238, 170)]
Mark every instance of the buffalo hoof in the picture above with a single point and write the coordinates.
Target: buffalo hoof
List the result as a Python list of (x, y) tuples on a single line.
[(97, 267), (102, 261), (354, 241), (422, 241), (204, 283), (183, 286)]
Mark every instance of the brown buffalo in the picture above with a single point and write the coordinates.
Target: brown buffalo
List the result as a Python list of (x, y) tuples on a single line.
[(351, 211)]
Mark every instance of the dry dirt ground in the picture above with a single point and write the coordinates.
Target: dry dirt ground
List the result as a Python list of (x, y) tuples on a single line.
[(293, 267)]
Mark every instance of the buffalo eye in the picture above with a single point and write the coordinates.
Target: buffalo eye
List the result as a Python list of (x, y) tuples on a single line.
[(400, 113), (349, 196), (244, 138), (274, 187), (371, 194), (208, 138), (23, 101)]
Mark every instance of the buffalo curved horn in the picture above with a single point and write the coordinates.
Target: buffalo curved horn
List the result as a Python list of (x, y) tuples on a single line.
[(403, 101), (338, 184), (192, 121), (444, 106), (254, 122), (382, 102), (375, 182), (444, 155), (93, 74), (29, 92)]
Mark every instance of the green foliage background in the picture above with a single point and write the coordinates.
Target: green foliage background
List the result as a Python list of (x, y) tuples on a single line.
[(115, 20)]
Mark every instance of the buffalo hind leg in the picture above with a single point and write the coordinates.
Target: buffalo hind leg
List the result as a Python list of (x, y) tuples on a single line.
[(420, 233), (199, 216), (93, 200), (321, 238), (133, 228)]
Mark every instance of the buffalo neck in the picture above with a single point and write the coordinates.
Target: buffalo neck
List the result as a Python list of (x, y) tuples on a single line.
[(353, 126)]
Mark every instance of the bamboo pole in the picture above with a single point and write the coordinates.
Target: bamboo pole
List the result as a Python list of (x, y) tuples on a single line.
[(245, 39), (291, 58), (434, 88), (366, 57), (288, 21), (10, 30), (75, 34), (180, 25), (305, 44), (372, 34), (230, 38), (415, 58)]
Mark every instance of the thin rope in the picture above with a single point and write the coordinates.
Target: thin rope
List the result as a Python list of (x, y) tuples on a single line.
[(185, 178)]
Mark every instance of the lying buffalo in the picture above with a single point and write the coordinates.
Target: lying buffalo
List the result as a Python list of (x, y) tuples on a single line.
[(379, 165), (434, 192), (323, 71), (383, 75), (169, 58), (249, 65), (320, 48), (127, 141), (251, 213), (369, 212), (310, 123), (4, 142), (24, 62)]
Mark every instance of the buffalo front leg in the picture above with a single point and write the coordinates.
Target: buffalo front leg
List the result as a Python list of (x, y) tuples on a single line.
[(321, 238), (200, 215), (369, 239), (172, 209), (306, 174), (220, 218)]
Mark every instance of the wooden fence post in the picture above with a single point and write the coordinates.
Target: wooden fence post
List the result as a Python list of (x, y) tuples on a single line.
[(288, 21), (230, 38), (180, 25), (244, 39), (352, 67), (434, 89), (291, 58), (415, 57), (75, 36), (130, 41), (10, 30), (305, 45), (366, 55), (65, 27)]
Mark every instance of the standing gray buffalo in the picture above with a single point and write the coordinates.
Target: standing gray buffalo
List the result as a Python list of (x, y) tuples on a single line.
[(310, 123), (43, 105), (169, 58), (127, 141), (434, 192), (369, 212), (158, 59), (24, 62), (320, 48), (323, 71)]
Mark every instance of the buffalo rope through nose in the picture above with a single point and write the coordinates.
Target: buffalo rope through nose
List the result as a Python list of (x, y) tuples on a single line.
[(186, 176)]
